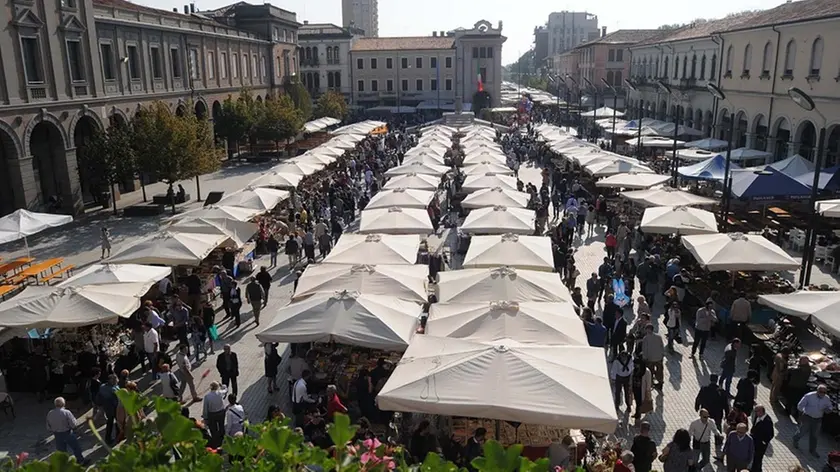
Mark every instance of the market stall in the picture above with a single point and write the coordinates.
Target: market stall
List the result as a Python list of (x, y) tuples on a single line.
[(255, 198), (679, 220), (667, 196), (401, 197), (547, 324), (417, 168), (407, 282), (633, 180), (170, 249), (521, 252), (413, 181), (739, 252), (500, 283), (473, 183), (374, 249), (395, 220), (497, 196), (499, 220), (237, 232), (487, 167)]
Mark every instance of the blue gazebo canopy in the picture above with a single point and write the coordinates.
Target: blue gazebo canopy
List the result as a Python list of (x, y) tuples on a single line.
[(829, 179), (767, 185), (711, 169)]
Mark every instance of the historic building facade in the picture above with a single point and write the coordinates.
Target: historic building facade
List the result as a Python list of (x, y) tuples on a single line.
[(90, 64), (324, 57)]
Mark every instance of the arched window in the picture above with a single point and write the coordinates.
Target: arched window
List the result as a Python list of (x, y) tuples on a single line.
[(656, 71), (747, 60), (685, 67), (703, 68), (644, 68), (729, 59), (713, 69), (617, 77), (329, 55), (338, 80), (330, 80), (317, 81), (694, 66), (790, 57), (767, 58), (816, 57), (315, 55), (665, 72), (676, 67), (308, 54), (610, 77)]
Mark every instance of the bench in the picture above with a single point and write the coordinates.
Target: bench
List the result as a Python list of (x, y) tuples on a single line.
[(144, 210), (8, 290), (59, 273), (14, 265), (36, 270), (162, 199)]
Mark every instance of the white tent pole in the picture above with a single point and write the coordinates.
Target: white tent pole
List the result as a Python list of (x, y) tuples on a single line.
[(26, 243)]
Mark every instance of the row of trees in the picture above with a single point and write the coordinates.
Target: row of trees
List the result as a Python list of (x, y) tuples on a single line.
[(157, 142), (172, 148), (275, 120)]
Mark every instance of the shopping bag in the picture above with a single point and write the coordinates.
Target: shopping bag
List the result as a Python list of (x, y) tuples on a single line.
[(214, 332)]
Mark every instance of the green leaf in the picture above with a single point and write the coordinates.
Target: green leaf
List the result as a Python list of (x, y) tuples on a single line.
[(133, 402), (277, 441), (497, 459), (341, 431)]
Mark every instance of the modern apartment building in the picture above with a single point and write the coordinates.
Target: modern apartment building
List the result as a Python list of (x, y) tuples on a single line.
[(428, 71), (362, 14), (69, 69), (324, 57)]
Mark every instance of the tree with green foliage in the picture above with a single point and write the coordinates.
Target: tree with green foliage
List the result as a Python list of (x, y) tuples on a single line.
[(108, 159), (302, 99), (237, 119), (173, 147), (331, 104), (173, 443), (279, 121)]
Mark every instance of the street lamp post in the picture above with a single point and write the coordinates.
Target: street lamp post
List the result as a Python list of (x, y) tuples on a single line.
[(594, 103), (727, 179), (675, 160), (580, 100), (615, 106), (807, 103), (630, 85)]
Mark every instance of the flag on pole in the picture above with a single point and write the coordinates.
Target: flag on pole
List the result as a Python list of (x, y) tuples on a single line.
[(479, 78)]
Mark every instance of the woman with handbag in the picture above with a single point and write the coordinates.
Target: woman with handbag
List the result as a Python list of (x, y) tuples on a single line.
[(678, 455), (642, 384)]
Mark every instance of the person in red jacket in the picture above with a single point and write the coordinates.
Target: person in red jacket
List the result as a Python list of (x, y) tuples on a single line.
[(334, 404), (625, 463)]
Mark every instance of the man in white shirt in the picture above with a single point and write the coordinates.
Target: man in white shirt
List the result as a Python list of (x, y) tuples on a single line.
[(214, 411), (301, 400), (151, 346), (812, 408), (165, 286), (62, 424), (170, 388), (702, 430), (185, 367), (235, 417)]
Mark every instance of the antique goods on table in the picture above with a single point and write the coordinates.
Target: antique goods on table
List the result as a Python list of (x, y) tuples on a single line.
[(339, 365), (528, 435)]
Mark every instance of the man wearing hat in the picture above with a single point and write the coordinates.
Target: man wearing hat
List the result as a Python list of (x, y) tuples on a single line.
[(833, 462)]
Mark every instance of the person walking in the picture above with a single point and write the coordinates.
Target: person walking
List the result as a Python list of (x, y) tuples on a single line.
[(170, 387), (228, 366), (715, 401), (704, 319), (621, 371), (235, 421), (653, 353), (672, 322), (264, 279), (727, 364), (292, 250), (256, 297), (811, 408), (678, 456), (642, 384), (762, 433), (62, 424), (214, 412), (185, 368), (643, 449), (235, 303), (151, 346), (273, 246), (739, 449), (107, 399), (702, 430), (271, 363), (779, 374), (105, 241)]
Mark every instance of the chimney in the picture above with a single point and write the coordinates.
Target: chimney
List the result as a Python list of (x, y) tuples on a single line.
[(442, 34), (306, 22), (434, 34), (603, 31), (186, 9), (175, 10), (192, 7)]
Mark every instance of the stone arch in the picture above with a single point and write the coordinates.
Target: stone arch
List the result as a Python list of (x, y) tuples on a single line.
[(10, 152), (200, 109), (832, 147), (217, 109), (742, 124), (698, 119), (43, 117), (708, 121), (85, 112), (723, 124), (83, 132), (781, 132), (118, 117), (688, 117), (806, 136), (663, 110), (47, 144), (760, 132), (259, 99), (181, 109)]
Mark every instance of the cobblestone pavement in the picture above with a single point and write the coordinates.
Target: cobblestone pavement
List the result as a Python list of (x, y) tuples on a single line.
[(674, 407)]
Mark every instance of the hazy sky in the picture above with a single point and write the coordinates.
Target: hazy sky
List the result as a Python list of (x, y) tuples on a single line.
[(415, 18)]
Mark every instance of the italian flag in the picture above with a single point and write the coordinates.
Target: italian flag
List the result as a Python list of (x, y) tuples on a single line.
[(478, 77)]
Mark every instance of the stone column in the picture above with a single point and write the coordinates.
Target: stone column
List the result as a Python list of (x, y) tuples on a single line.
[(792, 148), (750, 140)]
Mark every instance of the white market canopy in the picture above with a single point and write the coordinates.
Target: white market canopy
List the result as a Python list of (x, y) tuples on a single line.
[(496, 157), (407, 282), (371, 321), (401, 197), (487, 167), (374, 249), (632, 180), (317, 160), (666, 196), (473, 183), (829, 208), (737, 251), (823, 308), (423, 159), (615, 166), (496, 196), (214, 212), (170, 249), (413, 181), (101, 274), (320, 124), (657, 142), (417, 168), (277, 179), (527, 322), (236, 232), (21, 224), (324, 150), (395, 220), (255, 198), (297, 167), (561, 386), (500, 220), (794, 166), (72, 305), (708, 144), (500, 283), (678, 220), (605, 112), (521, 252)]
